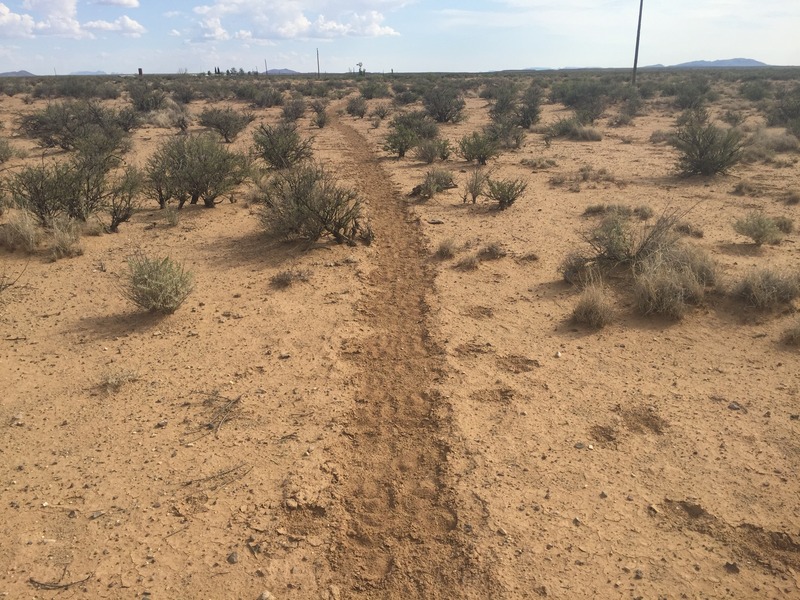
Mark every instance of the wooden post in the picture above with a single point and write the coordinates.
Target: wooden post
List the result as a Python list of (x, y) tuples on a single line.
[(636, 53)]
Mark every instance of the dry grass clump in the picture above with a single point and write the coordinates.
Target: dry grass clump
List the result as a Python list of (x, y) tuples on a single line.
[(492, 251), (157, 284), (767, 288), (21, 232), (686, 228), (66, 239), (594, 308), (791, 337), (644, 212), (671, 279), (747, 188), (595, 210), (436, 180), (578, 269), (468, 263), (286, 278), (792, 197), (475, 184), (759, 228), (539, 163), (784, 224), (586, 174), (446, 249)]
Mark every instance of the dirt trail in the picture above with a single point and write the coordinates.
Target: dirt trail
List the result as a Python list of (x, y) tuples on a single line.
[(402, 539)]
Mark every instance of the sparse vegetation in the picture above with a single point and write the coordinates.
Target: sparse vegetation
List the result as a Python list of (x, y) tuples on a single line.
[(357, 107), (594, 308), (443, 103), (478, 147), (436, 180), (766, 288), (791, 336), (228, 122), (505, 191), (21, 232), (446, 249), (429, 151), (157, 284), (759, 228), (280, 146), (704, 148), (475, 184), (286, 278)]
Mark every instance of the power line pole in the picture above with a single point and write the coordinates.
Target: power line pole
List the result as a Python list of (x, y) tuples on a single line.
[(317, 63), (638, 34)]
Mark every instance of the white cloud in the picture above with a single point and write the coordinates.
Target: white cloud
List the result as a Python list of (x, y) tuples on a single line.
[(211, 30), (124, 25), (15, 25), (122, 3), (175, 33)]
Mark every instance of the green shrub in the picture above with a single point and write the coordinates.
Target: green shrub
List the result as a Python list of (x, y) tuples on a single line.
[(42, 189), (381, 111), (356, 106), (145, 97), (692, 93), (294, 109), (572, 129), (530, 109), (767, 288), (505, 191), (759, 228), (6, 151), (267, 98), (193, 168), (122, 199), (375, 89), (400, 140), (443, 103), (475, 184), (226, 121), (307, 202), (478, 147), (65, 124), (280, 146), (429, 150), (705, 149), (418, 122), (755, 90), (594, 308), (157, 284), (436, 180), (506, 132)]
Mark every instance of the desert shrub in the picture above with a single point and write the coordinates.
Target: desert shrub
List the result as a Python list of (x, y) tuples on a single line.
[(767, 288), (294, 109), (193, 168), (762, 145), (183, 93), (405, 98), (705, 149), (574, 130), (784, 224), (587, 97), (21, 232), (226, 121), (616, 240), (785, 110), (157, 284), (644, 212), (446, 249), (530, 108), (65, 238), (41, 189), (320, 119), (113, 381), (6, 151), (436, 180), (443, 103), (505, 191), (381, 111), (356, 106), (660, 137), (734, 118), (307, 202), (374, 88), (122, 198), (506, 132), (504, 94), (145, 97), (429, 150), (468, 263), (400, 140), (759, 228), (65, 124), (745, 187), (475, 184), (478, 147), (755, 90), (594, 308), (418, 122), (792, 197), (171, 114), (267, 97), (280, 146), (692, 93), (791, 337)]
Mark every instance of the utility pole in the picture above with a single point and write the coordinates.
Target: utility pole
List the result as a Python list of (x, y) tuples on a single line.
[(317, 63), (266, 70), (638, 34)]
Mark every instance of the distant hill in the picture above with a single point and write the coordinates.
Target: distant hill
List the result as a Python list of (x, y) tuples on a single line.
[(17, 74), (727, 63), (282, 72)]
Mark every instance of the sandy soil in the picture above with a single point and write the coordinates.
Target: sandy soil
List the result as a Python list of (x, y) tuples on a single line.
[(395, 427)]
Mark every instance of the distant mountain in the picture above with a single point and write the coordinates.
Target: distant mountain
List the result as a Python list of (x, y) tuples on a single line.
[(17, 74), (282, 72), (89, 73), (727, 63)]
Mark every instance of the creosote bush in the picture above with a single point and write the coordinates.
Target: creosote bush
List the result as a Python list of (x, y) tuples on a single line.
[(759, 228), (157, 284), (306, 202), (446, 249), (704, 148), (443, 103), (594, 308), (280, 146), (429, 151), (505, 191), (226, 121), (356, 106), (475, 184), (478, 147), (436, 180)]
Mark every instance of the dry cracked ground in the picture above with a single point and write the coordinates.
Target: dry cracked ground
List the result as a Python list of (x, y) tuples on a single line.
[(392, 424)]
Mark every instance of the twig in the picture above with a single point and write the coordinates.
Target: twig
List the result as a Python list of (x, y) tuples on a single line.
[(15, 339), (218, 418), (218, 475), (169, 535), (51, 585)]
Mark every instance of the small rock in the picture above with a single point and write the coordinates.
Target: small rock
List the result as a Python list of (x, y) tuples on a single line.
[(558, 354), (334, 593), (731, 567), (576, 521), (161, 424), (502, 532), (284, 355), (435, 222), (734, 406), (603, 495), (638, 574), (291, 503), (233, 558), (794, 417), (652, 508), (580, 446), (266, 595)]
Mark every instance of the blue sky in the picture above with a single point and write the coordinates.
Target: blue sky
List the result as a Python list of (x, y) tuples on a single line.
[(63, 36)]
